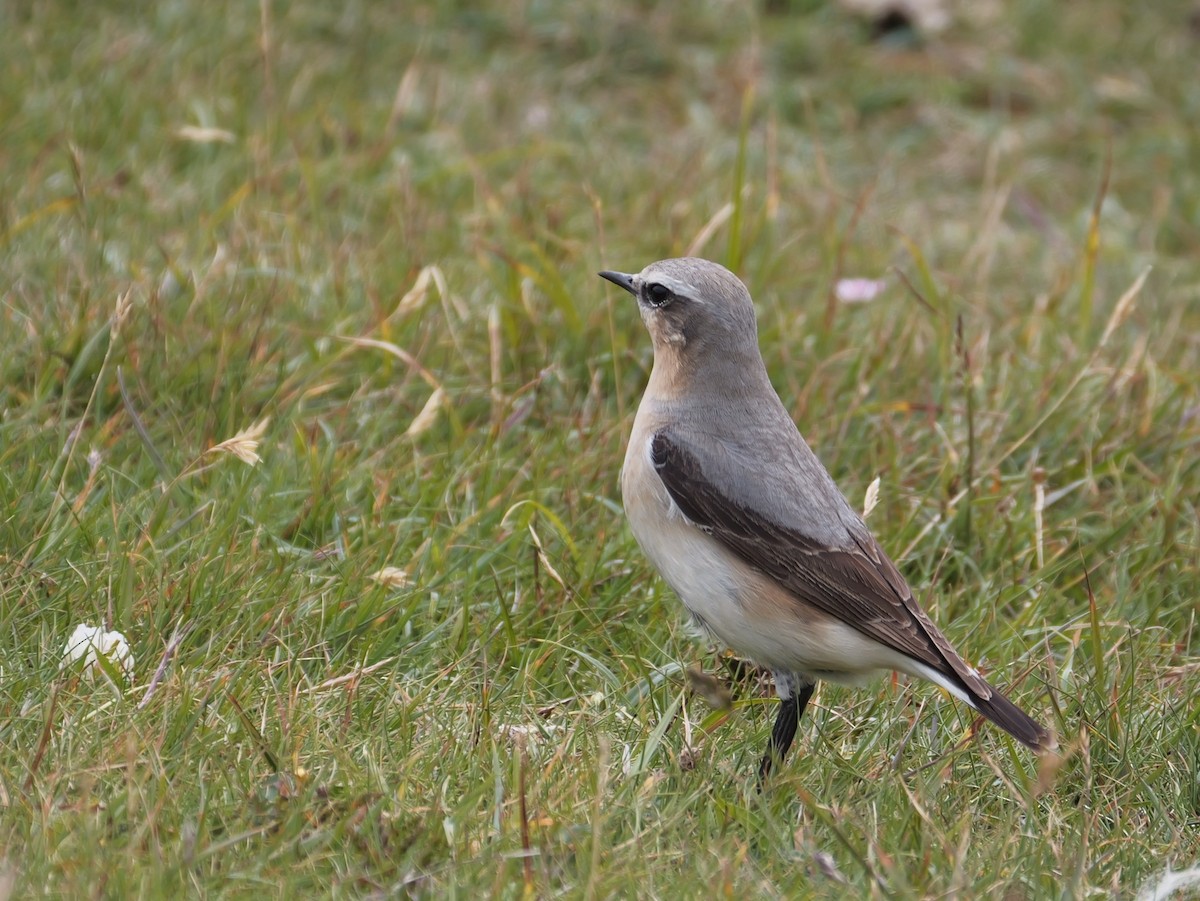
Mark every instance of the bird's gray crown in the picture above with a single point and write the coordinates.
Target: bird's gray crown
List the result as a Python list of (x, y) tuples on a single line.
[(696, 279)]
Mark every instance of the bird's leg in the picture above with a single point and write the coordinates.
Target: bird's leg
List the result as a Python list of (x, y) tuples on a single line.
[(791, 709)]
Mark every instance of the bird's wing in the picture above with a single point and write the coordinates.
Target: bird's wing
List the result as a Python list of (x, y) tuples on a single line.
[(856, 583)]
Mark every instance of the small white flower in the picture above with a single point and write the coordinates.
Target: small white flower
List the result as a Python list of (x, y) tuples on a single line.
[(858, 290), (88, 643)]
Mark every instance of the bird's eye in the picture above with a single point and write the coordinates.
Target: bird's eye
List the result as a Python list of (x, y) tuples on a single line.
[(657, 294)]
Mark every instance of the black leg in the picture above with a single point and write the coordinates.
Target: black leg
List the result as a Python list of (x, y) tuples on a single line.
[(786, 721)]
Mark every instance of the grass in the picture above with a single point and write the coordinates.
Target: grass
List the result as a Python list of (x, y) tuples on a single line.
[(380, 230)]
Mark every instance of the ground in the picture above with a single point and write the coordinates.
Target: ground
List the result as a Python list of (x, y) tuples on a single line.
[(413, 649)]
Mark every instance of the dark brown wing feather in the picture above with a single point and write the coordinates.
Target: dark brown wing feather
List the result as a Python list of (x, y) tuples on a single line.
[(858, 584)]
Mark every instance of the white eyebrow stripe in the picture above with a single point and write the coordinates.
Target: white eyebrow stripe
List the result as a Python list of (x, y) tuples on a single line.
[(674, 285)]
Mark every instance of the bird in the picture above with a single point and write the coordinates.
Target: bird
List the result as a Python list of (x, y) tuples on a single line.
[(741, 519)]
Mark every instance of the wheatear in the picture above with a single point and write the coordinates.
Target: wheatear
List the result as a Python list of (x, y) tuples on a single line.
[(744, 523)]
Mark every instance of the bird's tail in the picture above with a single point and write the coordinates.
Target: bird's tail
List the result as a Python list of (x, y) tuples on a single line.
[(1013, 720), (989, 702)]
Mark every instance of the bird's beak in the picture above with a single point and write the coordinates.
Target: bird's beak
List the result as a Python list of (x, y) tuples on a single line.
[(620, 279)]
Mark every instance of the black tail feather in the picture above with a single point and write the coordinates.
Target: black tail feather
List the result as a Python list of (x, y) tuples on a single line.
[(1013, 720)]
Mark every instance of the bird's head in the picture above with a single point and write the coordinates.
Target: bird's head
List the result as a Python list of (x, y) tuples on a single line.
[(693, 309)]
